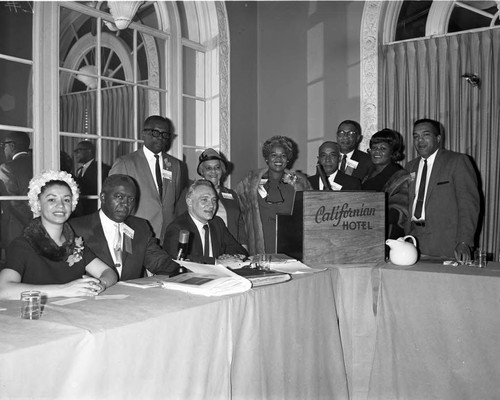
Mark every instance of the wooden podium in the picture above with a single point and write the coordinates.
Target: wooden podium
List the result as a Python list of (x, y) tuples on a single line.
[(334, 227)]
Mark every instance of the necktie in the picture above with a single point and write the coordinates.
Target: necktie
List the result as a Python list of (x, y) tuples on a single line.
[(117, 245), (158, 175), (421, 192), (79, 172), (206, 248), (343, 163)]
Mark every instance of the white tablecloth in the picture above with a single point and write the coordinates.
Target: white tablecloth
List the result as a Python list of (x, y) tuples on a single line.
[(274, 342)]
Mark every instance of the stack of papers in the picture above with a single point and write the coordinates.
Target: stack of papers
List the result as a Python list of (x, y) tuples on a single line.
[(206, 280)]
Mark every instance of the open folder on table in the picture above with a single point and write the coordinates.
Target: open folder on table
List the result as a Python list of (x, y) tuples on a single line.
[(206, 280)]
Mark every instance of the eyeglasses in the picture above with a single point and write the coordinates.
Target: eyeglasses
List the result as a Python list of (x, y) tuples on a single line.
[(78, 150), (157, 133), (346, 133), (3, 144)]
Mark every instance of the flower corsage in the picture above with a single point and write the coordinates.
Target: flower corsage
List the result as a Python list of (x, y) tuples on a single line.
[(77, 252), (289, 177)]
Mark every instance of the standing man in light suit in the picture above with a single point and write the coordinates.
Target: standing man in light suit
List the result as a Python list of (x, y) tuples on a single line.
[(158, 175), (444, 196)]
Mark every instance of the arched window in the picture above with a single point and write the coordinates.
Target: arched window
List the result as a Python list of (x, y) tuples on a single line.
[(77, 77)]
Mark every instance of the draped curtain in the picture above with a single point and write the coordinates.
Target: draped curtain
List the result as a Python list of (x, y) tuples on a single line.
[(423, 79), (78, 109)]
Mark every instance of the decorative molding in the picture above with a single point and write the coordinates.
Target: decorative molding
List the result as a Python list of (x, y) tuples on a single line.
[(224, 78), (369, 70)]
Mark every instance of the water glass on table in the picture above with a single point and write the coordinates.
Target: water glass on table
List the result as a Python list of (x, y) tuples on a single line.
[(31, 304), (481, 258), (264, 262)]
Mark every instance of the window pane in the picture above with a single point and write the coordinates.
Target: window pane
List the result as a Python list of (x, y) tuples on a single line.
[(194, 122), (463, 19), (16, 23), (412, 19), (78, 110), (15, 94), (194, 72)]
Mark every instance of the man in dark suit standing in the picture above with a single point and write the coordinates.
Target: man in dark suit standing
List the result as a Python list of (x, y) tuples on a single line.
[(119, 239), (86, 176), (328, 162), (209, 237), (160, 176), (15, 175), (444, 196), (352, 162)]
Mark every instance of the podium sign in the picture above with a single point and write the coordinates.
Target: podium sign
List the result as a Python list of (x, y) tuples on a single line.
[(334, 227)]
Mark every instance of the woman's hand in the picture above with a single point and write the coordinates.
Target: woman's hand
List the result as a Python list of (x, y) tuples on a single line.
[(86, 286)]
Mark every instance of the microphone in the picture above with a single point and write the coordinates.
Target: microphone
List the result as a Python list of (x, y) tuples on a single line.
[(182, 247)]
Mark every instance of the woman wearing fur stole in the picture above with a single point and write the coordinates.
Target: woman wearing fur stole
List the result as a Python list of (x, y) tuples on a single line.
[(265, 192)]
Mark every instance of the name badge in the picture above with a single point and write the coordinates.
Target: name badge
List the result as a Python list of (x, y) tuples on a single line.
[(127, 230), (261, 190), (336, 186), (352, 163), (166, 174), (228, 195)]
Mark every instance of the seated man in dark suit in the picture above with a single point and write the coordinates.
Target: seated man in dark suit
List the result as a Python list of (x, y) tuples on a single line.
[(328, 161), (209, 237), (119, 239)]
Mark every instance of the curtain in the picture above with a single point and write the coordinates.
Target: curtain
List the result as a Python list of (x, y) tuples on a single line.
[(80, 108), (423, 79)]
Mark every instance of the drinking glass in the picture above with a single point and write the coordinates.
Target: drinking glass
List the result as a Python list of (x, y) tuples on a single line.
[(31, 304)]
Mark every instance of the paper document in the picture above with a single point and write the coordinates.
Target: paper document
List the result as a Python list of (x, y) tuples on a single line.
[(206, 280)]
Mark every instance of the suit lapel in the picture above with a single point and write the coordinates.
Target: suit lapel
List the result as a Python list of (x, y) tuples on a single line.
[(197, 244), (216, 244), (98, 238), (145, 171), (434, 178)]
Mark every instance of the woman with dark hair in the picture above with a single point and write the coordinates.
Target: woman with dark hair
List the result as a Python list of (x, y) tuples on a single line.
[(267, 192), (49, 257), (385, 175)]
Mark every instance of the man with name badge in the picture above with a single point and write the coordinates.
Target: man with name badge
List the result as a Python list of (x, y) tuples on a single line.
[(159, 176), (353, 162), (119, 239), (328, 176)]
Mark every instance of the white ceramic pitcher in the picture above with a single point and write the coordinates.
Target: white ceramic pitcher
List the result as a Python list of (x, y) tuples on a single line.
[(402, 252)]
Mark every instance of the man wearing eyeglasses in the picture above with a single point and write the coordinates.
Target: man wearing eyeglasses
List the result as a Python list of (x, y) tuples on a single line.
[(328, 176), (352, 162), (159, 176), (15, 175)]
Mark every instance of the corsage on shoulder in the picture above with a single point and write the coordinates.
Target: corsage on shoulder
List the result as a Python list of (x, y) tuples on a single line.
[(289, 177), (77, 254)]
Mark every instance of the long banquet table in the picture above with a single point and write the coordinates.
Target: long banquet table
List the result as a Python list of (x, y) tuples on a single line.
[(276, 342)]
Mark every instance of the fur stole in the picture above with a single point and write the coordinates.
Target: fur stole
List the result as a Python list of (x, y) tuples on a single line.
[(44, 245)]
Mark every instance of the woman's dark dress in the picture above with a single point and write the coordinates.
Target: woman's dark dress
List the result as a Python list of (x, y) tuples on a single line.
[(39, 270)]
